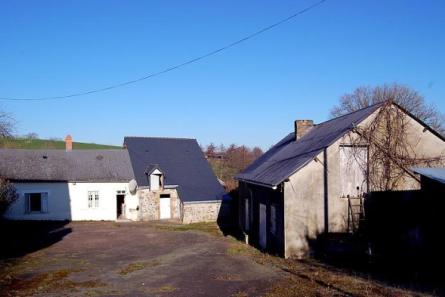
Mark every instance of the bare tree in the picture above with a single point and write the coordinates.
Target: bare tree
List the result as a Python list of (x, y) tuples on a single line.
[(406, 97), (8, 195), (392, 149), (7, 124)]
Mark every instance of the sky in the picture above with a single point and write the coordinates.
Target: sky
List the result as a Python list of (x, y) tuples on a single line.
[(250, 94)]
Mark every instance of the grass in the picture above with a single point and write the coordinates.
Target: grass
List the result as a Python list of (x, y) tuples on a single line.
[(312, 278), (163, 289), (25, 143), (132, 267), (136, 266), (209, 228), (46, 282)]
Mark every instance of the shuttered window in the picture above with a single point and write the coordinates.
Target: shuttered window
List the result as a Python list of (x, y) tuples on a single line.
[(36, 202)]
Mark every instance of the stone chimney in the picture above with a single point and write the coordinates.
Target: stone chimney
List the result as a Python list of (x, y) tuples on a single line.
[(68, 143), (302, 127)]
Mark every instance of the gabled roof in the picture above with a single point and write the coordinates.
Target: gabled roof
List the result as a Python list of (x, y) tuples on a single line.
[(152, 167), (182, 162), (438, 174), (61, 165), (288, 156)]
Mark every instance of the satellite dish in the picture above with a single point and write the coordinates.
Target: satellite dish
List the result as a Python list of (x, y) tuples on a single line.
[(132, 186)]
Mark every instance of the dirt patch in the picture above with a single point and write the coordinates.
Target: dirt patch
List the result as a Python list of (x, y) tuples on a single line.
[(46, 282)]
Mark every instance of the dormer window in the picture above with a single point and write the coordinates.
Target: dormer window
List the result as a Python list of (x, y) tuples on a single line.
[(155, 177), (156, 180)]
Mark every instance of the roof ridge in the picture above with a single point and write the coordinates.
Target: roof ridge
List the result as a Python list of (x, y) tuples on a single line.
[(160, 137), (62, 150), (349, 113)]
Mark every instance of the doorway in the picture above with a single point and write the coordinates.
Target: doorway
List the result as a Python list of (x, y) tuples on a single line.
[(263, 227), (165, 207), (120, 199)]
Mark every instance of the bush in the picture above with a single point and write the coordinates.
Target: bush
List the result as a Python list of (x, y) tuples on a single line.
[(8, 195)]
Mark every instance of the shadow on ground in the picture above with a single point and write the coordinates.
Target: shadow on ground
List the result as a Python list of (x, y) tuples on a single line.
[(20, 238), (354, 255)]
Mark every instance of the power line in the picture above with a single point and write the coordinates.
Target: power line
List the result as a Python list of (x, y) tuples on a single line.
[(214, 52)]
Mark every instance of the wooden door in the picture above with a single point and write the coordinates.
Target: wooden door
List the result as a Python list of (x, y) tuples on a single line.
[(353, 167), (263, 227)]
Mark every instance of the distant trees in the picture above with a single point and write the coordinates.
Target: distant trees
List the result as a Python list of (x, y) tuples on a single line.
[(228, 161), (7, 124), (8, 195), (32, 136)]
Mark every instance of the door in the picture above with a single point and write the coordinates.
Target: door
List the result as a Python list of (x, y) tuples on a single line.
[(353, 167), (165, 210), (263, 227), (120, 205)]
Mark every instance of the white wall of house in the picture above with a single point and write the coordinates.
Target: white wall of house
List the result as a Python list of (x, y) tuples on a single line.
[(70, 201)]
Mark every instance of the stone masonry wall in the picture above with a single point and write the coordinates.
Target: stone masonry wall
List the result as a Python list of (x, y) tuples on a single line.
[(200, 212), (149, 204)]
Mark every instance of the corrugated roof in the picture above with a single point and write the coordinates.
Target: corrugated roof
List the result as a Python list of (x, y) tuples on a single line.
[(437, 174), (61, 165), (182, 163), (288, 156)]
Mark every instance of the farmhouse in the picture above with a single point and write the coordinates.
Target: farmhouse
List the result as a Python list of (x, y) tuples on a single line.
[(149, 179), (314, 180)]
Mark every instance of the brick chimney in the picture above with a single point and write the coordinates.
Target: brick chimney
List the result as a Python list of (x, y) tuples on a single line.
[(68, 143), (302, 127)]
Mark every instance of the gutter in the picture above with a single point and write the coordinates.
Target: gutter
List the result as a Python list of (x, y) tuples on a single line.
[(257, 183)]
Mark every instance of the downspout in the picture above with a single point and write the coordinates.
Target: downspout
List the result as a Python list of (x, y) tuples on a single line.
[(326, 192)]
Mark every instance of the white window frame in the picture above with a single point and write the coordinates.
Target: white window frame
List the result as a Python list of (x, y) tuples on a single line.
[(93, 199), (43, 201)]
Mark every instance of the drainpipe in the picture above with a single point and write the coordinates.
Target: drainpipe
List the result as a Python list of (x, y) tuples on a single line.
[(326, 193)]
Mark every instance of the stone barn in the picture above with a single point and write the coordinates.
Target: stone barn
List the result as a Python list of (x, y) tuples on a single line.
[(314, 180)]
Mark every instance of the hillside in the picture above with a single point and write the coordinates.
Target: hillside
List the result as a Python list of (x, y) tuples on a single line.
[(26, 143)]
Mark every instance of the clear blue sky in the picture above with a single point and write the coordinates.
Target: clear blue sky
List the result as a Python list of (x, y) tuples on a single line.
[(250, 94)]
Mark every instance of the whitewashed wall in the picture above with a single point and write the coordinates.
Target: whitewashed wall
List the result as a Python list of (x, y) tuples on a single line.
[(69, 201)]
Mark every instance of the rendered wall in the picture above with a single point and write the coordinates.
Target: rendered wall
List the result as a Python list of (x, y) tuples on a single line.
[(69, 201)]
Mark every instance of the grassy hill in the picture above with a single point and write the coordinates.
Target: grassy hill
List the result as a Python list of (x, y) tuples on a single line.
[(25, 143)]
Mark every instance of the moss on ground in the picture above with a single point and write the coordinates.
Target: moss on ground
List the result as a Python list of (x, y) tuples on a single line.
[(163, 289)]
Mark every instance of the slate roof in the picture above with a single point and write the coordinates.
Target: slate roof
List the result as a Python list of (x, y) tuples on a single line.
[(182, 163), (437, 174), (288, 156), (152, 167), (60, 165)]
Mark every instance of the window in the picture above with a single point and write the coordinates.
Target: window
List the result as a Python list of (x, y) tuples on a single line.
[(36, 202), (165, 196), (155, 182), (93, 199)]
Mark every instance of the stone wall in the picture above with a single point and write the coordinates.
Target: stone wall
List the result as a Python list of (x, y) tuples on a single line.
[(149, 208), (201, 212)]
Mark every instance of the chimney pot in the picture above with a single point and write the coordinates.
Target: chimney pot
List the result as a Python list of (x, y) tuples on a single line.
[(302, 127), (68, 143)]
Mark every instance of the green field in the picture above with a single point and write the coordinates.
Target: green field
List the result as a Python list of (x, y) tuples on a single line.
[(25, 143)]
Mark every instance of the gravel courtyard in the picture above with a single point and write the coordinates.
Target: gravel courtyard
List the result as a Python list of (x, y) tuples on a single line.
[(157, 259)]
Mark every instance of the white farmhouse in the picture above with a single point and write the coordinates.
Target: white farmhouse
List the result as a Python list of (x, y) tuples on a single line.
[(113, 184)]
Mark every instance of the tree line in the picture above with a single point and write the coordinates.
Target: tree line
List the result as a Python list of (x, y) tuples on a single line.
[(226, 162)]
